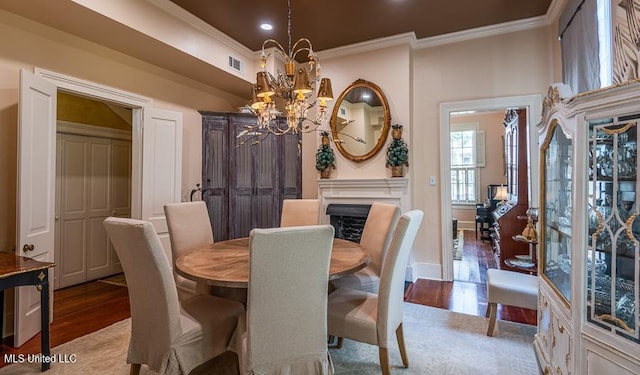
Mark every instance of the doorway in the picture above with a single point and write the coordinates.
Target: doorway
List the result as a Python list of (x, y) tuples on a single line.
[(533, 104), (160, 183), (93, 182), (477, 163)]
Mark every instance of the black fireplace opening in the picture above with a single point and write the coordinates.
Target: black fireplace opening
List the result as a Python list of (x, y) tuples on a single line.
[(348, 220)]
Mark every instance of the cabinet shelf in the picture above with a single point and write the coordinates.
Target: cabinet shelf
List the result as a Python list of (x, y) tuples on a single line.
[(604, 271), (521, 238), (611, 179)]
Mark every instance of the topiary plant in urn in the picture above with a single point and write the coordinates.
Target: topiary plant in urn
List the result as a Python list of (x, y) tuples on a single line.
[(325, 157), (397, 152)]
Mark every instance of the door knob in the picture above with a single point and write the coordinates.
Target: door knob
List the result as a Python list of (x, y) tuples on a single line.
[(26, 248)]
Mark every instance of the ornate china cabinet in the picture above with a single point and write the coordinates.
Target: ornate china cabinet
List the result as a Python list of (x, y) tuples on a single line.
[(589, 232)]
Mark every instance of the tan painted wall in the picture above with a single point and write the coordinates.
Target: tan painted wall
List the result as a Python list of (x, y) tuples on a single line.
[(26, 45), (388, 68), (504, 65), (82, 110), (415, 83), (493, 172)]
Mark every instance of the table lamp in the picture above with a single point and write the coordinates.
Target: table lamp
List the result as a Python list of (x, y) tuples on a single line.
[(501, 194)]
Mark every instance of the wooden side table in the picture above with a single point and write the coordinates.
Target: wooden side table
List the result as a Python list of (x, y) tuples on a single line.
[(20, 271)]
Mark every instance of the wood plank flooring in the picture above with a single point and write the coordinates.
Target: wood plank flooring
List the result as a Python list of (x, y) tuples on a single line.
[(467, 294), (91, 306), (77, 311)]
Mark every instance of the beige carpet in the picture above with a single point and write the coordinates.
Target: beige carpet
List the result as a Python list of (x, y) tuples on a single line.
[(458, 245), (438, 342)]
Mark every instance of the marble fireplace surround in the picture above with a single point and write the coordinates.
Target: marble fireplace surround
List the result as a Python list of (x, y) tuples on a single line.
[(365, 191)]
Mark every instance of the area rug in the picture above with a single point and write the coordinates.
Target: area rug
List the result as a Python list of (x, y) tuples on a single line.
[(458, 245), (118, 279), (438, 342)]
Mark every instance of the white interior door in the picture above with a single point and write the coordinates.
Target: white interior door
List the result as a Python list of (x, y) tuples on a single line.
[(155, 180), (36, 189), (72, 211), (161, 168)]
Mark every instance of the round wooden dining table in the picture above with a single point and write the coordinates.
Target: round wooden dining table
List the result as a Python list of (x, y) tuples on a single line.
[(226, 263)]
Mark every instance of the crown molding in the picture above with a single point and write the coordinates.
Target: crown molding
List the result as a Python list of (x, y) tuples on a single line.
[(178, 12), (482, 32), (369, 45), (555, 9), (553, 12)]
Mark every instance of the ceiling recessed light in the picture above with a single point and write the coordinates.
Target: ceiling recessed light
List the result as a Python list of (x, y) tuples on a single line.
[(266, 26)]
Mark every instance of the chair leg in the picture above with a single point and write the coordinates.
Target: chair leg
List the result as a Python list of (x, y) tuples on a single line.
[(339, 343), (491, 312), (135, 369), (403, 349), (384, 360)]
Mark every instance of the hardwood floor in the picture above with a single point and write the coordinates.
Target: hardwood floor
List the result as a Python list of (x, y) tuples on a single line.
[(88, 307), (77, 311), (467, 294)]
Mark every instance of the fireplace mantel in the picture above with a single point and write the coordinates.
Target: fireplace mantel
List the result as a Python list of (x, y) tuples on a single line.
[(364, 191)]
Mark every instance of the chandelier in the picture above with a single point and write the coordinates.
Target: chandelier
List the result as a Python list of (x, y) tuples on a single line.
[(295, 87)]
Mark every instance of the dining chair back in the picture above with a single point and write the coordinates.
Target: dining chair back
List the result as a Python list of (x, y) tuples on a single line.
[(167, 335), (287, 301), (376, 236), (297, 212), (189, 227), (373, 318)]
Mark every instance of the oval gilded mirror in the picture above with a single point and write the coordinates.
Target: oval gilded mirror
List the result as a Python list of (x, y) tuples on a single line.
[(360, 121)]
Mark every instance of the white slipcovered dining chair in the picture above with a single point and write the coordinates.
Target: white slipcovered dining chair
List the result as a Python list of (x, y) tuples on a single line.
[(189, 227), (375, 240), (169, 336), (297, 212), (373, 318), (286, 327)]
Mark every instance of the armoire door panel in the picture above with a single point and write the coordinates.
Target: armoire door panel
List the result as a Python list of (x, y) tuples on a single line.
[(215, 183), (241, 216), (263, 211), (291, 173), (247, 180), (242, 168)]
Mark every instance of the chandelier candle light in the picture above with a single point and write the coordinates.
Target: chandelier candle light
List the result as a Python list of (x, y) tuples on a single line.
[(294, 86)]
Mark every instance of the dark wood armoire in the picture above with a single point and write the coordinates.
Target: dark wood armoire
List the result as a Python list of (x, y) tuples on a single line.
[(244, 185)]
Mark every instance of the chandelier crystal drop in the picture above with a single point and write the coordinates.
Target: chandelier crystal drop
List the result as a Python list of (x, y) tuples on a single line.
[(294, 90)]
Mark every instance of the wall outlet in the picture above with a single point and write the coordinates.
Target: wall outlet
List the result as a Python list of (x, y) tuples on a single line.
[(432, 180)]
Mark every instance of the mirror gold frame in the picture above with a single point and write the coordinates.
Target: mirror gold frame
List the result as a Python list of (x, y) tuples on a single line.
[(347, 145)]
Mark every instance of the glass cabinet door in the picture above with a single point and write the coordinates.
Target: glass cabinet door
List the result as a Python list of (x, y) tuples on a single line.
[(613, 226), (556, 211)]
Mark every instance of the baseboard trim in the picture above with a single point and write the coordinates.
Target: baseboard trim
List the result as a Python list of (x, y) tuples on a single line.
[(426, 271)]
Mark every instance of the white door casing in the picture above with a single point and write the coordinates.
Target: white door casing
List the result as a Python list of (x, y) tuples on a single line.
[(533, 104), (36, 192), (158, 173)]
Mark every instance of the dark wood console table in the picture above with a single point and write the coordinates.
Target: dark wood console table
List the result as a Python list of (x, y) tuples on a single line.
[(20, 271)]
